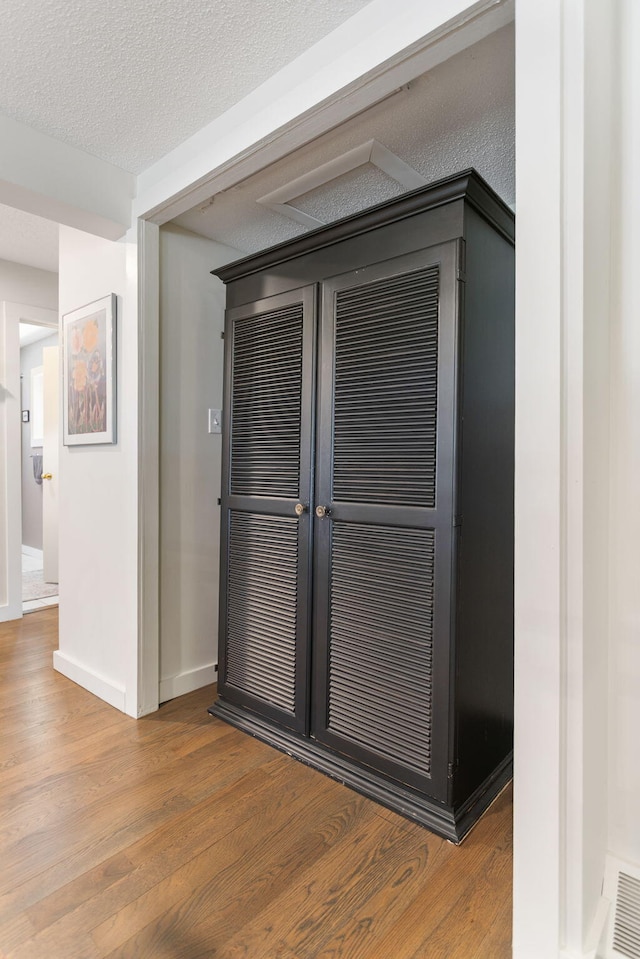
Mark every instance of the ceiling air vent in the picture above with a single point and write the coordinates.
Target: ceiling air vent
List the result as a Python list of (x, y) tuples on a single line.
[(371, 155), (622, 886)]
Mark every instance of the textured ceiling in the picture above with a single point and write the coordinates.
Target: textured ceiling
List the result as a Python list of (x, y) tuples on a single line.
[(345, 193), (460, 114), (128, 81), (28, 239)]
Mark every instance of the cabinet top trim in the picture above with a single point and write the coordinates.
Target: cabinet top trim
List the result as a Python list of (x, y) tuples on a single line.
[(467, 185)]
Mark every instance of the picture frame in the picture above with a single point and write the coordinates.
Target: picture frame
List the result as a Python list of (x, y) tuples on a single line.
[(89, 373)]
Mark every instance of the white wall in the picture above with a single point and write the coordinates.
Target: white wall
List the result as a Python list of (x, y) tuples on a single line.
[(55, 180), (98, 494), (191, 356), (624, 663), (31, 357), (25, 284)]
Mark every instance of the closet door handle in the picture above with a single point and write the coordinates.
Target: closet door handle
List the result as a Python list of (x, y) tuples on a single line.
[(47, 476), (300, 508), (322, 511)]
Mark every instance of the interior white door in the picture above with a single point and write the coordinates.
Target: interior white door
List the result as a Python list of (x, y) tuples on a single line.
[(50, 457), (10, 466)]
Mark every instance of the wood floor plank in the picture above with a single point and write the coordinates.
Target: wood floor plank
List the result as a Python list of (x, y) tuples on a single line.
[(178, 837), (98, 779), (356, 937), (100, 893), (256, 871), (461, 876), (348, 875), (80, 842), (219, 866)]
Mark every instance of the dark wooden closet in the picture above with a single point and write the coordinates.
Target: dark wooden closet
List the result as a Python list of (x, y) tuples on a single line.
[(366, 600)]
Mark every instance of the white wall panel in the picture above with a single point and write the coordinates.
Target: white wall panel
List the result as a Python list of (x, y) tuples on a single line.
[(99, 494)]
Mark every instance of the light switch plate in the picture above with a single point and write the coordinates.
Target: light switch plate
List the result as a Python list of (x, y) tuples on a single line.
[(215, 421)]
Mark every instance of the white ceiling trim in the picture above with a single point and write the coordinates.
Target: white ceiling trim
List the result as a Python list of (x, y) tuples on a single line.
[(370, 152)]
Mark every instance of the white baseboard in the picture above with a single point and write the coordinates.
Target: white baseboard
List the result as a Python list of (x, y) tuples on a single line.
[(186, 682), (595, 945), (10, 611), (90, 680), (32, 551)]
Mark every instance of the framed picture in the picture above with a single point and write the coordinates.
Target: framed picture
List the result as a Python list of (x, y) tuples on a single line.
[(89, 373)]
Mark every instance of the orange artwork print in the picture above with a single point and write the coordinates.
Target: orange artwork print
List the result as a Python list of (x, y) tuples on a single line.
[(90, 336), (86, 341)]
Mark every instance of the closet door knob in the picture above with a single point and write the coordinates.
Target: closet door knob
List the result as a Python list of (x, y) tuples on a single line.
[(300, 508), (322, 511), (47, 476)]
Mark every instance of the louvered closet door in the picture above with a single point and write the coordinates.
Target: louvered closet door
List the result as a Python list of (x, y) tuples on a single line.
[(385, 548), (264, 608)]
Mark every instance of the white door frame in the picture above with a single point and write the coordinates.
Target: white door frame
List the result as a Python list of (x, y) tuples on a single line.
[(427, 35), (11, 315), (51, 358), (560, 791), (563, 82)]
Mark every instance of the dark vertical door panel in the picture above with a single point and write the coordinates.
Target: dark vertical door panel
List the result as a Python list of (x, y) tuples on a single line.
[(380, 657), (385, 394), (267, 472), (384, 550)]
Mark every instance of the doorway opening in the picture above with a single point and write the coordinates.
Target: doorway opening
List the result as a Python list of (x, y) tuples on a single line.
[(39, 432)]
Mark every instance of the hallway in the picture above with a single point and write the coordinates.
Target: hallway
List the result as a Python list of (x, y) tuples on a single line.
[(36, 594), (177, 836)]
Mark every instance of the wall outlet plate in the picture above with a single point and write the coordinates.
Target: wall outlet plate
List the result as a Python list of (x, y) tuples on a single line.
[(215, 421)]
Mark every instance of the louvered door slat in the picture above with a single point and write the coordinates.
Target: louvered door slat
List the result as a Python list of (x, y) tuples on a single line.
[(267, 398), (262, 607), (380, 640), (386, 381)]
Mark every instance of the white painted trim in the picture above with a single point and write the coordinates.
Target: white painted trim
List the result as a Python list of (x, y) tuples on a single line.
[(370, 152), (623, 771), (186, 682), (588, 143), (538, 486), (38, 315), (599, 927), (563, 197), (367, 59), (11, 314), (42, 175), (395, 167), (148, 467), (32, 551), (111, 693)]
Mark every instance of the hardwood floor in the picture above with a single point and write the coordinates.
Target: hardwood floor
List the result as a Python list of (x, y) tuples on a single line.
[(177, 836)]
